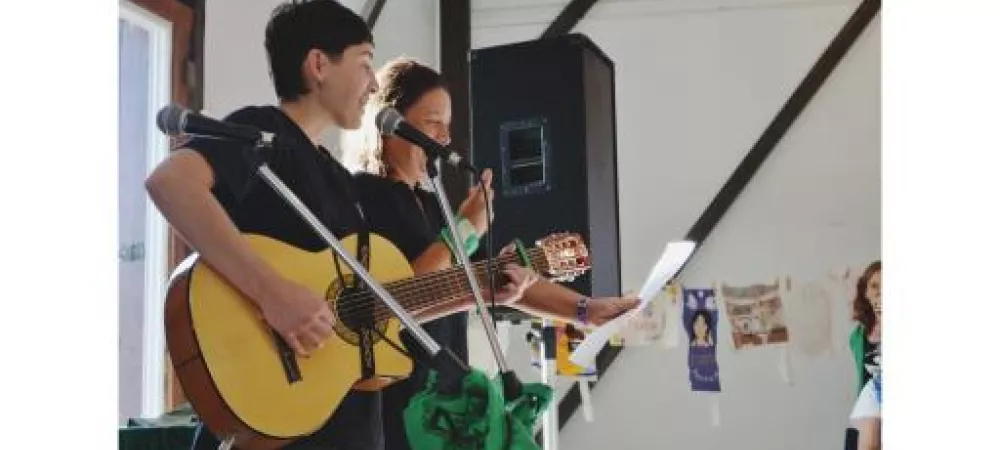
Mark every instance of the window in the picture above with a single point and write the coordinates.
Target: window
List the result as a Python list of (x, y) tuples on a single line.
[(144, 61)]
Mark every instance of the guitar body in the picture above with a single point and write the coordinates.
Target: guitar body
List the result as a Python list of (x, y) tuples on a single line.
[(229, 362)]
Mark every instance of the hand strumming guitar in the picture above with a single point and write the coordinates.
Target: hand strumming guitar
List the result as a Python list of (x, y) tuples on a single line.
[(299, 315)]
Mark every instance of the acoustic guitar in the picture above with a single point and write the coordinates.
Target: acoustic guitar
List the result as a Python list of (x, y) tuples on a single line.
[(245, 382)]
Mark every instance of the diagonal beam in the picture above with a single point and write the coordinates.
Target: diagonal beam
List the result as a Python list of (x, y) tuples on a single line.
[(745, 171), (568, 18), (371, 10), (791, 110)]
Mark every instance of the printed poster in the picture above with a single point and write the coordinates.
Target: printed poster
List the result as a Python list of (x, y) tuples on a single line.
[(701, 317), (653, 323), (756, 315), (567, 338), (810, 314)]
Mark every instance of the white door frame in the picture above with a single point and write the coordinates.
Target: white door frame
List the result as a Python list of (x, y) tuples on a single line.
[(156, 241)]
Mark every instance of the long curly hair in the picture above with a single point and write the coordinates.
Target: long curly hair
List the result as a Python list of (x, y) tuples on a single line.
[(863, 311), (402, 82)]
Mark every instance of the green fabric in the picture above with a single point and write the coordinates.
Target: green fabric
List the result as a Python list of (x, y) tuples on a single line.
[(858, 352), (477, 418), (471, 243)]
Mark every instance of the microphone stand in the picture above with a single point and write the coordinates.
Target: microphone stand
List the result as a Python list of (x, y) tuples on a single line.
[(511, 384), (547, 366), (450, 367)]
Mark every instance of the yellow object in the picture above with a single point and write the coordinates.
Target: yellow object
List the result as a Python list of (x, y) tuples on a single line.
[(240, 350)]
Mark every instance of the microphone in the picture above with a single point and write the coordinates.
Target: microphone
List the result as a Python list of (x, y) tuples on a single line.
[(390, 123), (174, 120)]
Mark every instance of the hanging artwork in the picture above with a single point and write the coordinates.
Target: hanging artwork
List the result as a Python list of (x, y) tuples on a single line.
[(810, 317), (701, 317), (672, 320), (567, 338), (755, 314), (651, 324)]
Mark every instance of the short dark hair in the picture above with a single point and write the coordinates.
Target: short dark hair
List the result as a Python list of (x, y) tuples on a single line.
[(296, 27)]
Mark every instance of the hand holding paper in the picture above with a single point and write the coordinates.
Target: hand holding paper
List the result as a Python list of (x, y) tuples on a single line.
[(673, 258)]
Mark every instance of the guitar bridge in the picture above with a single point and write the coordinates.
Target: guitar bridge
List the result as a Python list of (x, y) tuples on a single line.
[(287, 358)]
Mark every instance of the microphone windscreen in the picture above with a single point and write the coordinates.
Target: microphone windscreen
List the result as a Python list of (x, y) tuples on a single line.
[(387, 120)]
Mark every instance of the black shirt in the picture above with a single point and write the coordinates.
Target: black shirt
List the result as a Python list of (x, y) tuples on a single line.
[(326, 188), (411, 219)]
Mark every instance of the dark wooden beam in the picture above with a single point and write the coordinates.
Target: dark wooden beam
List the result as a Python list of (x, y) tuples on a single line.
[(568, 18), (745, 171), (371, 10), (456, 43)]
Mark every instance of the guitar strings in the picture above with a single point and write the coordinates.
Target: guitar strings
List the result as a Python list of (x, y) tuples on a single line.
[(411, 289), (415, 289), (407, 287)]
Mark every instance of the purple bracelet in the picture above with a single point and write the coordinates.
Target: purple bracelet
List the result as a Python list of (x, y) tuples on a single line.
[(581, 309)]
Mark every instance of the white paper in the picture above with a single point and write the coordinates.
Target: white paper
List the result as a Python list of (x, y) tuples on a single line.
[(673, 258), (672, 322), (588, 407), (716, 412), (784, 366)]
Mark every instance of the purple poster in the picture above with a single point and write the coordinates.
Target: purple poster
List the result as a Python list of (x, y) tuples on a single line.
[(701, 315)]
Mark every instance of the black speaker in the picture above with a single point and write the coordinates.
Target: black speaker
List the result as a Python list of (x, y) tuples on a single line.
[(543, 119)]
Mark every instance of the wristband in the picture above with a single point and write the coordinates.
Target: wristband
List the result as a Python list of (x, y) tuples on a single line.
[(466, 232), (581, 309)]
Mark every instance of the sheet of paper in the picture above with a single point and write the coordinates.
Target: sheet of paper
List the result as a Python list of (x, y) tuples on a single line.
[(673, 258)]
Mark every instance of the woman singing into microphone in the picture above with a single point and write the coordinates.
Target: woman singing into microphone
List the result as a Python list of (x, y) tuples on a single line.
[(405, 213)]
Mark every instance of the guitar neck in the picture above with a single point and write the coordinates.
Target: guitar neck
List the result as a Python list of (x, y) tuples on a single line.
[(435, 288)]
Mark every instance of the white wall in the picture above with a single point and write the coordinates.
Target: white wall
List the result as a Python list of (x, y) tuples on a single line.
[(236, 71), (697, 82)]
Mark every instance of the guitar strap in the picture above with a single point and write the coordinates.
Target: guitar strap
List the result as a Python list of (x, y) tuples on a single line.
[(366, 331)]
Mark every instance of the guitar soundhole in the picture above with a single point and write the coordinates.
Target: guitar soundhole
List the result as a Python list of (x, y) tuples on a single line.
[(355, 309)]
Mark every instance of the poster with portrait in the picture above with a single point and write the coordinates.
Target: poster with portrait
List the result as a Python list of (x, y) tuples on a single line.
[(701, 317), (756, 315)]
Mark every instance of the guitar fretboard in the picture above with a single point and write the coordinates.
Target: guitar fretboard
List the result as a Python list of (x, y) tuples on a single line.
[(428, 290)]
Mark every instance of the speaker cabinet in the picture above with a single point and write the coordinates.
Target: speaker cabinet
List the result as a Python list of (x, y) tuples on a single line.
[(543, 119)]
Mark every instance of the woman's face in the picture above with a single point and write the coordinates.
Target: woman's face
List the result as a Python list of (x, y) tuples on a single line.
[(874, 291), (431, 114), (700, 327)]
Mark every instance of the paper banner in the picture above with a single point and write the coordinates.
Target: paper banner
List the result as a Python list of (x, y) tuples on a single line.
[(672, 317), (755, 314), (810, 318), (715, 410), (588, 406), (785, 366), (701, 318)]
